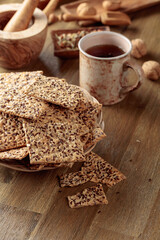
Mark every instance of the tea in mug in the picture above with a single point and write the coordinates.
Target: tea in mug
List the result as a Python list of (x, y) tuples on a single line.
[(105, 51)]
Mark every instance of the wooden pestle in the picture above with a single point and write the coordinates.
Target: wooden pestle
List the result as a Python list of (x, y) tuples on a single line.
[(22, 17), (50, 7), (108, 17)]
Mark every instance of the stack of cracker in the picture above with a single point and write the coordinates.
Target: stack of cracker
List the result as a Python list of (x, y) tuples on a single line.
[(44, 121), (96, 170)]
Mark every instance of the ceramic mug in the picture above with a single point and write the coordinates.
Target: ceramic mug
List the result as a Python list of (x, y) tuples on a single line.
[(105, 78)]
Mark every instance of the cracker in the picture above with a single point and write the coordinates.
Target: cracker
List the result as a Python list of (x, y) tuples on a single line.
[(100, 171), (88, 197), (89, 158), (84, 139), (95, 136), (73, 179), (63, 114), (14, 101), (18, 80), (57, 91), (53, 142), (60, 114), (89, 115), (16, 154), (11, 132), (22, 106)]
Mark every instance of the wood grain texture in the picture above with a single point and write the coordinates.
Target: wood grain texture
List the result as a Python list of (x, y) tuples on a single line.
[(19, 48), (37, 203), (126, 5), (20, 223)]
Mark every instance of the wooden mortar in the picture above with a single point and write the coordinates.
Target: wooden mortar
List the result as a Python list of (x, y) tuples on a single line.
[(18, 49)]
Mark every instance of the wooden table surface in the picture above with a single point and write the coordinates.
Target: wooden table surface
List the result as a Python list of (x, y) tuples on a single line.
[(34, 207)]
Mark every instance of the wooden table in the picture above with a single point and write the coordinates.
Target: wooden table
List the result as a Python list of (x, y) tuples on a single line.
[(33, 207)]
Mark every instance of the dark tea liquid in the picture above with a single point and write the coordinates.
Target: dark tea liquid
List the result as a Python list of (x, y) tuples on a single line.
[(104, 51)]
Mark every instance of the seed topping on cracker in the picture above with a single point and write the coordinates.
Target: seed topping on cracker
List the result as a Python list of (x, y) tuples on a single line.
[(73, 179), (57, 91), (11, 132), (100, 171), (17, 154), (88, 197)]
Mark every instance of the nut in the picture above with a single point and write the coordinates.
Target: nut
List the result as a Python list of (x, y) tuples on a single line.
[(139, 48), (111, 4), (85, 9), (81, 6), (70, 40), (151, 70)]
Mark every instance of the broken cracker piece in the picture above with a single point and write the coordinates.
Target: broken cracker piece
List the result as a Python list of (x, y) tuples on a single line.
[(17, 154), (57, 91), (88, 197), (14, 101), (94, 136), (89, 115), (11, 132), (100, 171), (18, 80), (73, 179), (22, 106), (52, 142), (84, 138)]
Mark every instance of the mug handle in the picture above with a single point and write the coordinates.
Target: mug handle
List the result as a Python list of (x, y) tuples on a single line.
[(139, 72)]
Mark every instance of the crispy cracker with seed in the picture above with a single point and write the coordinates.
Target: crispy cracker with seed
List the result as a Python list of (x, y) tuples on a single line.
[(84, 139), (22, 106), (88, 197), (95, 136), (11, 132), (18, 80), (80, 97), (60, 114), (89, 116), (14, 102), (83, 118), (100, 171), (57, 91), (17, 154), (73, 179), (87, 103), (53, 142)]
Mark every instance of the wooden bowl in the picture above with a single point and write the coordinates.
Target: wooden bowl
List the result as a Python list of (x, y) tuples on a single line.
[(18, 49)]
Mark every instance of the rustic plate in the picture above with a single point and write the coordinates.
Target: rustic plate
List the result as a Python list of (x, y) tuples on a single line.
[(126, 6), (23, 165), (71, 53)]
